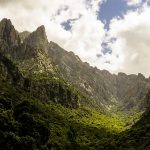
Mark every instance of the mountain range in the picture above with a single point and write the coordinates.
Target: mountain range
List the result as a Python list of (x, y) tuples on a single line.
[(50, 99)]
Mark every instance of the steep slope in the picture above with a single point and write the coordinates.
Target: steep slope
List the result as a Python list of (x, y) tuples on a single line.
[(32, 54), (34, 77), (114, 92), (86, 78), (23, 35), (9, 72), (27, 66), (9, 37), (44, 88), (30, 123), (27, 123), (138, 136), (36, 57)]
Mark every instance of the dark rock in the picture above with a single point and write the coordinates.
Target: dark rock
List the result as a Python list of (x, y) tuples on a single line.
[(121, 92), (37, 39), (8, 35), (34, 56), (23, 35)]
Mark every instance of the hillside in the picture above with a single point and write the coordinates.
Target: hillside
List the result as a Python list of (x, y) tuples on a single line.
[(27, 123), (50, 99), (114, 92), (35, 56)]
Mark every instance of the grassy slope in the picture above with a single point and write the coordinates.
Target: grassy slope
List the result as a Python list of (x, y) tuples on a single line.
[(137, 137), (26, 123)]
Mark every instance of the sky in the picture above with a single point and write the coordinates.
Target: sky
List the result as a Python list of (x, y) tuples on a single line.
[(109, 34)]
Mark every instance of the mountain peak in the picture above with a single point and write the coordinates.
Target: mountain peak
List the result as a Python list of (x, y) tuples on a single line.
[(8, 34), (141, 76), (6, 21), (38, 39), (41, 29)]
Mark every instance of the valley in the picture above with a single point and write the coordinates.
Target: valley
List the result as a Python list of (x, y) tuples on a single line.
[(50, 99)]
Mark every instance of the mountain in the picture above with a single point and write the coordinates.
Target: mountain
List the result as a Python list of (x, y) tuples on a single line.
[(29, 67), (23, 35), (34, 55), (9, 37), (114, 92), (31, 116), (50, 99), (138, 136)]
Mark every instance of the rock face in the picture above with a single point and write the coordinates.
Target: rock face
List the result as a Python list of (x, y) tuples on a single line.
[(33, 53), (36, 58), (8, 33), (30, 52), (44, 89), (120, 92), (34, 44), (37, 39), (9, 37), (32, 70), (35, 48), (23, 35)]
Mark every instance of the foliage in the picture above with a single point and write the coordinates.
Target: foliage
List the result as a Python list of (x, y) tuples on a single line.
[(27, 123)]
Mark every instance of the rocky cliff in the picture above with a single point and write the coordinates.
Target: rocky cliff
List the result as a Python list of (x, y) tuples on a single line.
[(36, 58), (37, 76), (27, 66), (114, 92)]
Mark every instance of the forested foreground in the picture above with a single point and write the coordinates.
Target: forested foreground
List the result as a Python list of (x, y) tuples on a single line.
[(26, 123)]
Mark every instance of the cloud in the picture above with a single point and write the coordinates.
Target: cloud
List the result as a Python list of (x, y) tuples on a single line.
[(127, 39), (30, 13), (133, 2), (86, 34), (132, 44)]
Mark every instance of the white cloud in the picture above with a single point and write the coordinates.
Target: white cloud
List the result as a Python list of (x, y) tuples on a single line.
[(86, 34), (133, 32), (86, 37), (133, 2), (130, 50)]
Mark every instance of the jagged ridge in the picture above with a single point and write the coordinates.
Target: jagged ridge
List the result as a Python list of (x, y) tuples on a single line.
[(28, 123), (115, 92), (34, 55)]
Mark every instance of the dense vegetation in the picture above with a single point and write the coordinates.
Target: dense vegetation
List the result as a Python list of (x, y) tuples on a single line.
[(137, 137), (40, 110), (26, 123)]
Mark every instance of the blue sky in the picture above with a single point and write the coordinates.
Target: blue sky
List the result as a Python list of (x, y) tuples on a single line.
[(108, 10), (114, 8), (111, 9)]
